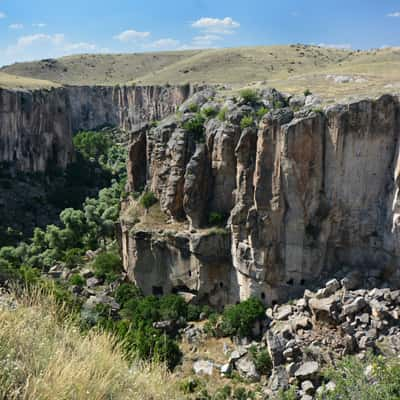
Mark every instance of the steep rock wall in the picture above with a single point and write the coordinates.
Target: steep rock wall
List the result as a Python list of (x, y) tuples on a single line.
[(36, 127), (306, 193)]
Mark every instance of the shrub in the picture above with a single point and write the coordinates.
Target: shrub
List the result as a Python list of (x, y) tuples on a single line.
[(172, 307), (92, 144), (239, 320), (247, 122), (107, 265), (216, 219), (148, 199), (278, 104), (195, 126), (77, 280), (307, 92), (222, 114), (349, 373), (193, 312), (126, 292), (190, 385), (209, 112), (193, 107), (289, 394), (262, 360), (73, 257), (249, 96), (262, 111)]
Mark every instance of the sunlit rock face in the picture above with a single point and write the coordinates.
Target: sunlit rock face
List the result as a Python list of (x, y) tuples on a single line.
[(36, 127), (305, 194)]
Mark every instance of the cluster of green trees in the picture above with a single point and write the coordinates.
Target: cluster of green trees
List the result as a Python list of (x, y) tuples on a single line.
[(78, 230)]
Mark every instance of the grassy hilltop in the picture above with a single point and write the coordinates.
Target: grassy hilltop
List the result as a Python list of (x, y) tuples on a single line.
[(330, 73)]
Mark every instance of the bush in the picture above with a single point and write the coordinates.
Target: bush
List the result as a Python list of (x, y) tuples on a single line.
[(193, 108), (239, 320), (209, 112), (148, 199), (216, 219), (77, 280), (222, 114), (195, 126), (349, 374), (262, 360), (172, 307), (92, 144), (278, 104), (262, 111), (73, 257), (249, 96), (247, 122), (193, 312), (307, 92), (126, 292), (107, 265)]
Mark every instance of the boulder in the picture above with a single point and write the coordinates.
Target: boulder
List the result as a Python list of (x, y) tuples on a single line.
[(203, 367), (307, 371), (247, 368)]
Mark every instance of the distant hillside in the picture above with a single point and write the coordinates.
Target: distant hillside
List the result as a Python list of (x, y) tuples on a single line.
[(328, 72), (97, 69)]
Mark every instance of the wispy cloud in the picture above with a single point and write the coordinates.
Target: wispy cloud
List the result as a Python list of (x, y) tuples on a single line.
[(16, 26), (131, 35), (343, 46), (26, 41), (2, 15), (394, 14), (206, 40), (215, 25), (40, 25), (165, 44)]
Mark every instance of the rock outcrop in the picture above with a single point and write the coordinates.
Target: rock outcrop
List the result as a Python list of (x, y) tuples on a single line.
[(36, 127), (305, 193)]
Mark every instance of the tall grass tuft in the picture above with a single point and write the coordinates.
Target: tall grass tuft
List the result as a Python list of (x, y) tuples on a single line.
[(43, 355)]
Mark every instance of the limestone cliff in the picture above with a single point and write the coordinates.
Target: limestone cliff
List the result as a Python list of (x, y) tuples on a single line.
[(36, 126), (304, 192)]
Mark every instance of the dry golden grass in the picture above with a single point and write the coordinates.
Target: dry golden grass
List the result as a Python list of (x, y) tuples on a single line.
[(19, 82), (43, 356)]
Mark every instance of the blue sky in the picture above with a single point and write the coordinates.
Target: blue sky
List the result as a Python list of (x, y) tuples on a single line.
[(34, 29)]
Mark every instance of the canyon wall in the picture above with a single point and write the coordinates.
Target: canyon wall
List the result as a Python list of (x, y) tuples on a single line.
[(36, 127), (305, 194)]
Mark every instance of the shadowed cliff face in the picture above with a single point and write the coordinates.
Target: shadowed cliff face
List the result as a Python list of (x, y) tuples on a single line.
[(306, 193), (36, 127)]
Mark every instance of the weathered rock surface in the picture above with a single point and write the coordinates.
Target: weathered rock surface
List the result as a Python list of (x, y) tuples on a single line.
[(36, 127), (305, 195)]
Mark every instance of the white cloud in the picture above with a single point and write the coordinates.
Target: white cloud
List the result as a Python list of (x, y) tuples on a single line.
[(26, 41), (39, 25), (16, 26), (80, 47), (215, 25), (206, 40), (165, 44), (343, 46), (394, 14), (132, 36), (2, 15)]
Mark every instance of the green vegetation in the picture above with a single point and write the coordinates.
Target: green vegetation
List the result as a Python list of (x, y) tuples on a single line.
[(45, 356), (92, 144), (375, 378), (239, 320), (249, 96), (147, 200), (247, 122), (195, 126), (222, 114), (77, 280), (209, 112), (107, 266), (262, 111), (307, 92), (216, 219), (262, 360), (194, 108)]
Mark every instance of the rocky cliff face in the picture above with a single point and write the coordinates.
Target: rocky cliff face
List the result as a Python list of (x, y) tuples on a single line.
[(36, 126), (304, 193)]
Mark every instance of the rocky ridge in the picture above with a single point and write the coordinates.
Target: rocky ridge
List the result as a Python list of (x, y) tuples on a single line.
[(304, 192), (36, 127)]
